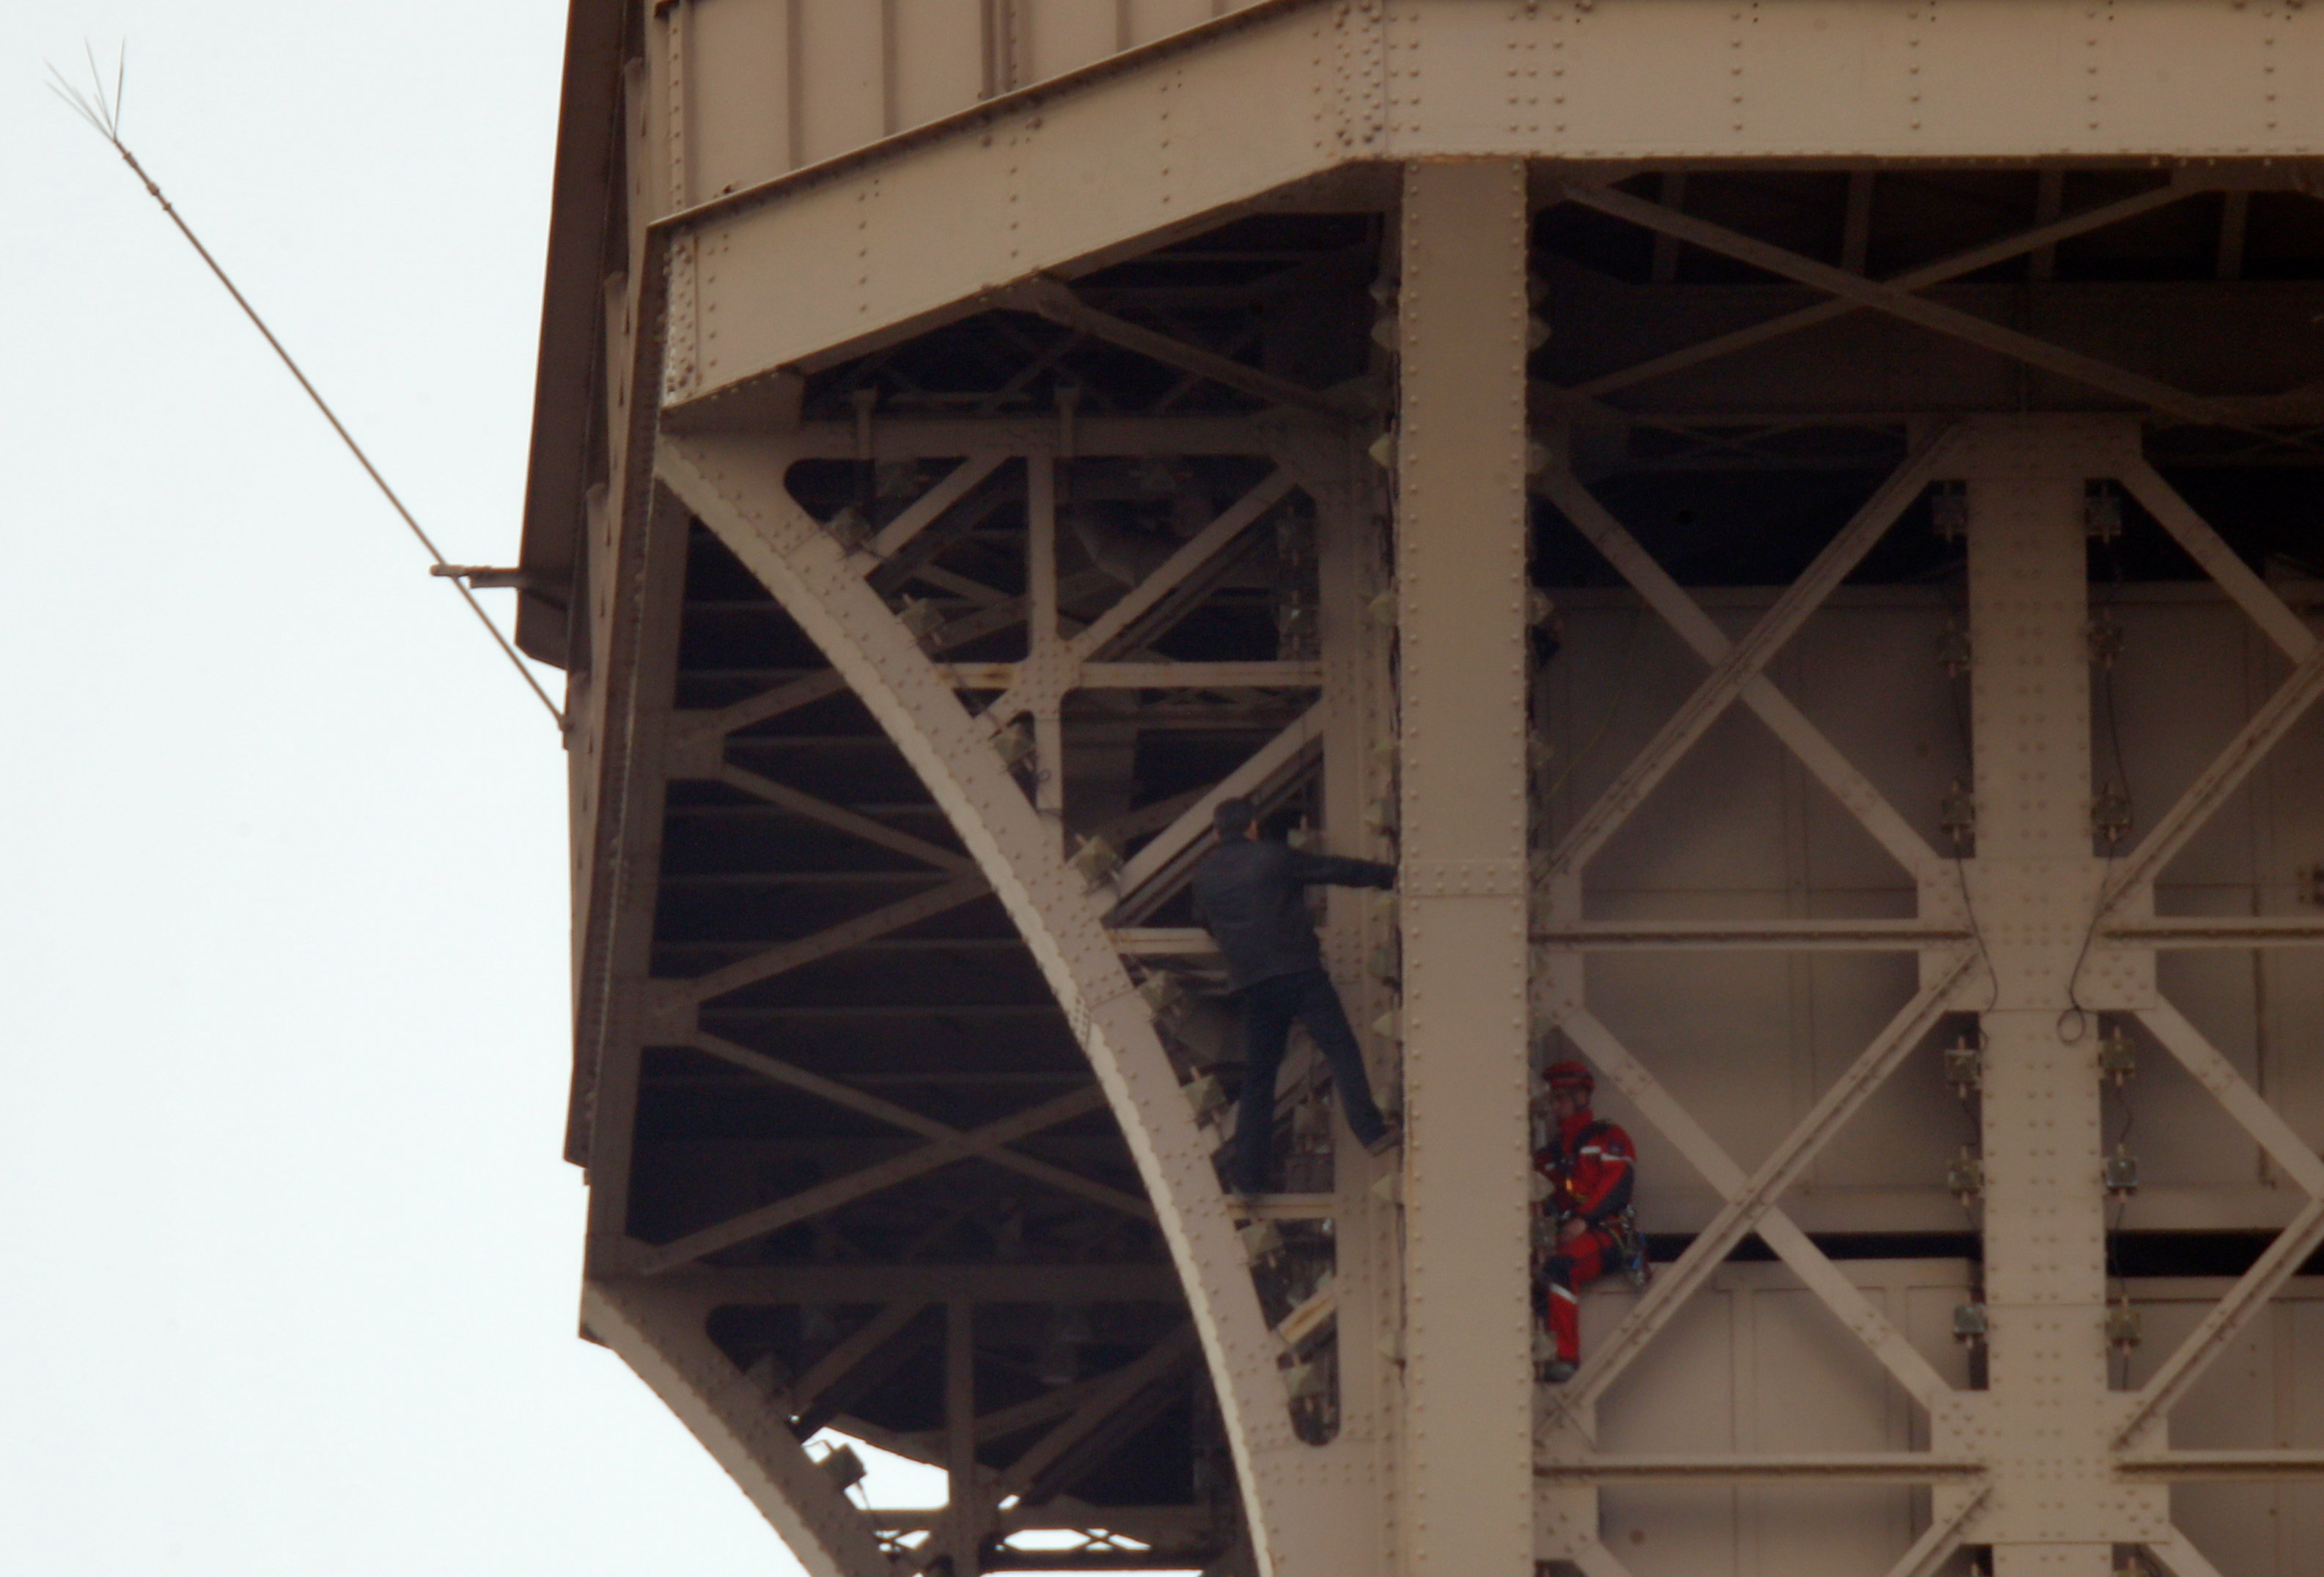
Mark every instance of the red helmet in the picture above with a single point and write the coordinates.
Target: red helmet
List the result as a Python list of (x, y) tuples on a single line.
[(1569, 1076)]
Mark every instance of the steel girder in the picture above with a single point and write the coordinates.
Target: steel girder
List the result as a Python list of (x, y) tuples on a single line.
[(657, 1331), (1462, 314), (869, 243), (737, 487), (1990, 1447)]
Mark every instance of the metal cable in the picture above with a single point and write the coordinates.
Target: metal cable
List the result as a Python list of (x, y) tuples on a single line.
[(103, 113)]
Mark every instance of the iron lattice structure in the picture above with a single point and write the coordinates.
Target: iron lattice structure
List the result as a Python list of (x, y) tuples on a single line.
[(1792, 524)]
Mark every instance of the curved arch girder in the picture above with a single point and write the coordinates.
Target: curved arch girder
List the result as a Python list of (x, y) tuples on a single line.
[(735, 487)]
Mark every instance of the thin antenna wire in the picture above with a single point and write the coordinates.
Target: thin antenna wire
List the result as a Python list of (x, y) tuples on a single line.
[(102, 111)]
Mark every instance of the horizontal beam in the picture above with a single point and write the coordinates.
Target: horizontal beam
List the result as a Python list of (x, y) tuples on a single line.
[(2177, 932), (830, 942), (1135, 1282), (1146, 144), (2221, 1467), (1897, 1467), (1775, 935), (1152, 676), (946, 437)]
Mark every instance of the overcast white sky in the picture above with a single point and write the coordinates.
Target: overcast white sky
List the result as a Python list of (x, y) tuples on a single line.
[(291, 1259)]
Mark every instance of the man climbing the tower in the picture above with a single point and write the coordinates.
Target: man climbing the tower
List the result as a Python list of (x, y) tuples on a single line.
[(1586, 1226), (1251, 893)]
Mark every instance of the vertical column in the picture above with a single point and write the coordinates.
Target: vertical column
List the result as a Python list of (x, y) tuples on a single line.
[(1339, 478), (964, 1514), (1460, 567), (2044, 1200), (1044, 643)]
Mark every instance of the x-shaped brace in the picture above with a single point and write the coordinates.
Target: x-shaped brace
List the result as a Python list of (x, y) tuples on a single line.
[(1737, 673), (2136, 387), (1696, 628), (2283, 1257), (1751, 1199)]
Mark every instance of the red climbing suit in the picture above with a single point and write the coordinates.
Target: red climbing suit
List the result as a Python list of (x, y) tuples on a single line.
[(1590, 1168)]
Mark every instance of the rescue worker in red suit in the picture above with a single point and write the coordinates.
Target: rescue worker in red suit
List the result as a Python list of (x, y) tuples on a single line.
[(1590, 1167)]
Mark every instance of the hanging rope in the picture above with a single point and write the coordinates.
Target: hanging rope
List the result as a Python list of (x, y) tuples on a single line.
[(101, 109)]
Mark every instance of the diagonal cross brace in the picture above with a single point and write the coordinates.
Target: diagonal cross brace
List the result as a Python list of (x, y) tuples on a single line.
[(1934, 1547), (2283, 1257), (1745, 658), (883, 1110), (1141, 880), (2136, 387), (1751, 1200), (2223, 564), (929, 507), (786, 956), (1918, 278), (839, 818), (804, 692), (983, 1142), (1110, 1395), (1197, 552), (2181, 1558), (1818, 754), (2276, 717)]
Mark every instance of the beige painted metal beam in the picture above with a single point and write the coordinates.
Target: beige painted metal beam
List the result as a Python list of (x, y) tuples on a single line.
[(2277, 717), (1108, 1396), (929, 507), (736, 487), (1901, 1467), (1461, 577), (658, 1334), (1919, 279), (1751, 1198), (830, 942), (2209, 931), (1696, 628), (860, 1344), (2046, 1408), (1054, 300), (1044, 674), (776, 1071), (1150, 875), (2181, 1558), (1142, 145), (810, 1202), (2223, 564), (842, 820), (2136, 387), (1747, 659), (1762, 936)]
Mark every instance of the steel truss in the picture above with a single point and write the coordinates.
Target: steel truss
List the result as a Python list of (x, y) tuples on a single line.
[(2025, 481), (1377, 1419)]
